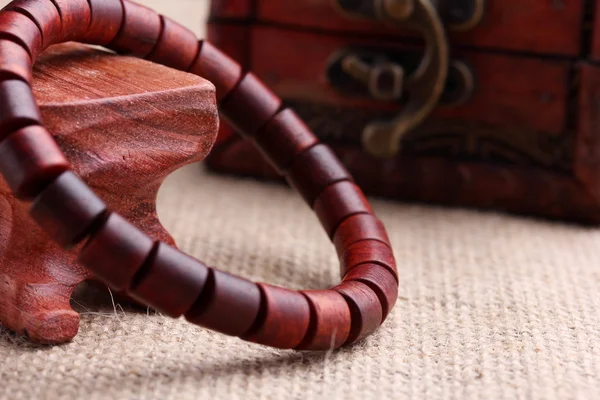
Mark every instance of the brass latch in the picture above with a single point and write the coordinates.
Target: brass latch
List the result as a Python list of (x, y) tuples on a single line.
[(386, 80)]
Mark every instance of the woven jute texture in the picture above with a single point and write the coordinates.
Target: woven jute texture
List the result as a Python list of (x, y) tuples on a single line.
[(490, 307)]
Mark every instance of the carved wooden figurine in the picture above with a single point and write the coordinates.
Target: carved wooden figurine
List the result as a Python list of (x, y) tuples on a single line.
[(125, 124)]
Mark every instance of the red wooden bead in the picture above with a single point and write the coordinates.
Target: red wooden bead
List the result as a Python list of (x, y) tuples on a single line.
[(20, 29), (283, 138), (177, 46), (67, 209), (283, 320), (15, 62), (214, 65), (29, 160), (250, 105), (365, 252), (380, 280), (45, 14), (107, 18), (116, 251), (359, 227), (314, 170), (18, 108), (365, 309), (330, 320), (76, 17), (228, 304), (339, 201), (139, 32), (170, 281)]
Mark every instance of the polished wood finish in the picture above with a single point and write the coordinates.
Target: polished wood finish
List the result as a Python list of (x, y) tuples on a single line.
[(45, 15), (513, 189), (250, 105), (338, 202), (67, 210), (76, 18), (507, 25), (217, 67), (231, 8), (15, 62), (20, 29), (30, 159), (283, 138), (228, 304), (107, 18), (126, 258), (380, 280), (436, 180), (169, 267), (116, 251), (140, 30), (587, 145), (18, 108), (594, 42), (365, 309), (368, 252), (359, 227), (520, 133), (177, 46), (513, 91), (283, 320), (138, 129), (314, 170), (330, 320)]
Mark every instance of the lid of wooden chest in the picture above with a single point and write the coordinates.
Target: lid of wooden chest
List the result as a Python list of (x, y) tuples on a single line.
[(550, 27)]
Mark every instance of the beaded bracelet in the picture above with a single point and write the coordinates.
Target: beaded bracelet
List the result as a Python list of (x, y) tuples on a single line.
[(155, 273)]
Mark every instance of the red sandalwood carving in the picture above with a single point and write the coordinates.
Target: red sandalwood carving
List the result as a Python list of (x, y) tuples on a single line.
[(124, 124)]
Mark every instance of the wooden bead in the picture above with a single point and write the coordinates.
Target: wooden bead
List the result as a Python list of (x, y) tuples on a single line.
[(365, 309), (76, 17), (177, 46), (107, 18), (250, 105), (116, 251), (314, 170), (20, 29), (339, 201), (217, 67), (45, 15), (330, 320), (18, 108), (365, 252), (170, 281), (15, 62), (283, 320), (140, 30), (30, 159), (228, 304), (283, 138), (67, 209), (359, 227), (380, 280)]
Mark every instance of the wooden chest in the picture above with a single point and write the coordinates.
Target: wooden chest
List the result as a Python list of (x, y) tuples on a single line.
[(487, 104)]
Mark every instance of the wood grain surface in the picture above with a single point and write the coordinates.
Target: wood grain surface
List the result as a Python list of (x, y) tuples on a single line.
[(124, 124)]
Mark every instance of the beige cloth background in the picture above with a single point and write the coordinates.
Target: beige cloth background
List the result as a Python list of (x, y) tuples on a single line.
[(490, 307)]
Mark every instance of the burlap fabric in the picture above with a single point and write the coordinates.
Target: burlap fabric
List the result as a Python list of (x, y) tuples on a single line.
[(490, 307)]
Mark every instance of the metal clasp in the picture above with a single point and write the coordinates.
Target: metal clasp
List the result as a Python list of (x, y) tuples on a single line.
[(385, 80)]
